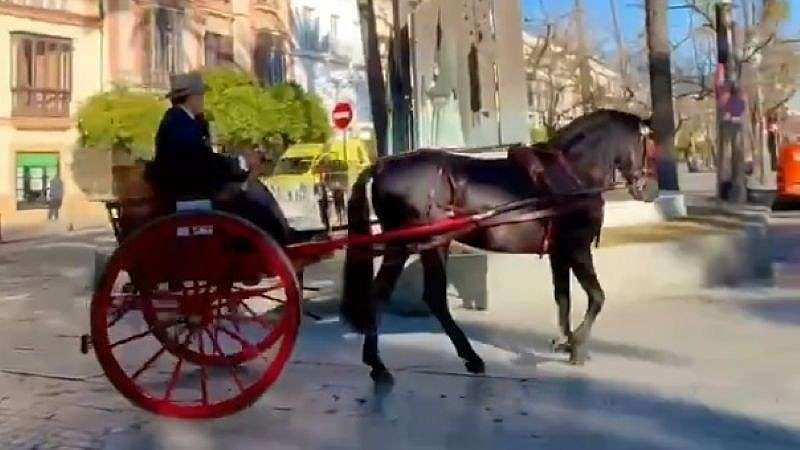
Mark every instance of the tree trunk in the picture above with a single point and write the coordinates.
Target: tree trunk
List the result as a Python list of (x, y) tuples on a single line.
[(377, 89), (663, 120)]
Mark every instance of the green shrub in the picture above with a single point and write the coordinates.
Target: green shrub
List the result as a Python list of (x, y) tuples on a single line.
[(243, 115), (121, 119)]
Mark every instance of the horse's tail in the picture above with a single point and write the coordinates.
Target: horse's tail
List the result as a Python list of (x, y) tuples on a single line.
[(358, 308)]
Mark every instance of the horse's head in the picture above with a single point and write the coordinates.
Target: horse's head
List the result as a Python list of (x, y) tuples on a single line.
[(601, 142)]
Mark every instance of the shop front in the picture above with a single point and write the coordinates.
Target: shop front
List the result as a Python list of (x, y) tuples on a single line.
[(34, 174)]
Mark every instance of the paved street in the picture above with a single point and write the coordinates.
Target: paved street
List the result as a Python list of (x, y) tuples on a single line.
[(720, 369)]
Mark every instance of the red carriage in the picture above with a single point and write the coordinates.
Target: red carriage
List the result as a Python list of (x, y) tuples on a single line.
[(197, 311)]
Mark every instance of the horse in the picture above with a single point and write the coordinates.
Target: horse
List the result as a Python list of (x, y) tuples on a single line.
[(575, 166)]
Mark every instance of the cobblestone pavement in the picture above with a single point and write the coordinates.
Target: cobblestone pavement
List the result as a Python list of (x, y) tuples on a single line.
[(666, 373), (51, 396), (40, 413)]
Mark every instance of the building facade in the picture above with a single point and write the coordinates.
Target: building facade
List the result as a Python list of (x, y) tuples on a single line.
[(328, 54), (147, 40), (52, 65), (63, 51)]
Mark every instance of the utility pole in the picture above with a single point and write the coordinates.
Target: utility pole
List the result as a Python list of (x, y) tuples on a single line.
[(622, 54), (663, 119), (377, 88), (584, 71)]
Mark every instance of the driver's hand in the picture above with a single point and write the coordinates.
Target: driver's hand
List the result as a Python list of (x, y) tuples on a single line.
[(256, 163)]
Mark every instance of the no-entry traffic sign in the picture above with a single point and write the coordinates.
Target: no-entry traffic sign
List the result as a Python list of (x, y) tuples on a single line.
[(342, 115)]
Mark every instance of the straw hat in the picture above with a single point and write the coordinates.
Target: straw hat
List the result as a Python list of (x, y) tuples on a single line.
[(190, 83)]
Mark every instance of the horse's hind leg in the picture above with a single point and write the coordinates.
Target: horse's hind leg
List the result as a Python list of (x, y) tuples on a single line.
[(583, 267), (392, 266), (559, 266), (435, 296)]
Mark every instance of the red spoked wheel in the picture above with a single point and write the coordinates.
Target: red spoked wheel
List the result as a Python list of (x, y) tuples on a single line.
[(174, 330)]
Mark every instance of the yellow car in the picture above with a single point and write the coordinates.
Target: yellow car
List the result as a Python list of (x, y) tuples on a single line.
[(302, 166)]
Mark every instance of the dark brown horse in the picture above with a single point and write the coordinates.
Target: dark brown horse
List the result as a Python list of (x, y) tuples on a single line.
[(422, 187)]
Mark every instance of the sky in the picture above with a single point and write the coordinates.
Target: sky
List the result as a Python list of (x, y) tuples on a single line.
[(598, 17), (632, 21)]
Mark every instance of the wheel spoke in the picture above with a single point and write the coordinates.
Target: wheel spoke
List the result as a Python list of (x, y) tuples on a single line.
[(143, 333), (203, 373), (249, 348), (149, 362), (238, 292), (218, 349), (132, 338), (176, 372), (256, 317), (274, 299)]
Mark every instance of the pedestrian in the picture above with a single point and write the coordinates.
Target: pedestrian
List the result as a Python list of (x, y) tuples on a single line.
[(323, 201), (56, 196)]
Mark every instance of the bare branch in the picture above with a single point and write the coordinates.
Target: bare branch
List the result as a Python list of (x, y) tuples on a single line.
[(692, 5), (545, 46), (676, 45), (758, 48), (778, 105)]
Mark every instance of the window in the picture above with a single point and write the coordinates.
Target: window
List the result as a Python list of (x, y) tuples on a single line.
[(35, 171), (42, 75), (163, 45), (309, 29), (270, 59), (293, 166), (334, 33), (218, 49)]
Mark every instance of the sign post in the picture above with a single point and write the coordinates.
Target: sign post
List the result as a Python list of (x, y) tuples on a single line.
[(342, 115)]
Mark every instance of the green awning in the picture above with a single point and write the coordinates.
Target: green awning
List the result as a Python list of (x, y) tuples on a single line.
[(37, 159)]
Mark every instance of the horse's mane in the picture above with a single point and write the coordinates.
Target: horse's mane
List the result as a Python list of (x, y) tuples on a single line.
[(565, 137)]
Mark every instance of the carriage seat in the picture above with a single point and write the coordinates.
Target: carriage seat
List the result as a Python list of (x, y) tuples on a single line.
[(547, 168)]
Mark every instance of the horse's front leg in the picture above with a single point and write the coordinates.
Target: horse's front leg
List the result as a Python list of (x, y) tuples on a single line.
[(583, 267), (392, 266), (435, 296), (559, 266)]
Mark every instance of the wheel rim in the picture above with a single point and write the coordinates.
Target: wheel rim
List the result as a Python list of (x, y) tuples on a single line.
[(203, 356)]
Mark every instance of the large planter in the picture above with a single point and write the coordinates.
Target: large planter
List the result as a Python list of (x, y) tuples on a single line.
[(467, 275)]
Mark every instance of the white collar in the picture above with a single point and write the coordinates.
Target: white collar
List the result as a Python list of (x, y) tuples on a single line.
[(185, 109)]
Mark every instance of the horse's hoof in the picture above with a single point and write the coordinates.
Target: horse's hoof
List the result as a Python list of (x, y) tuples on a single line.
[(557, 346), (578, 356), (475, 366), (383, 377)]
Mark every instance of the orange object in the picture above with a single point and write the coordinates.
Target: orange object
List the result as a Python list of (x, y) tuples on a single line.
[(789, 171)]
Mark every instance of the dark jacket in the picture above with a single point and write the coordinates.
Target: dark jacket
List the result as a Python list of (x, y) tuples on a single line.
[(185, 166)]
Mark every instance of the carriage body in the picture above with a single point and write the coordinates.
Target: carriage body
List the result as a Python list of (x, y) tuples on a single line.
[(196, 312)]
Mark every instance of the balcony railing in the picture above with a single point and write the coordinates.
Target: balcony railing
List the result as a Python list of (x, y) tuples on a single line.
[(40, 102)]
